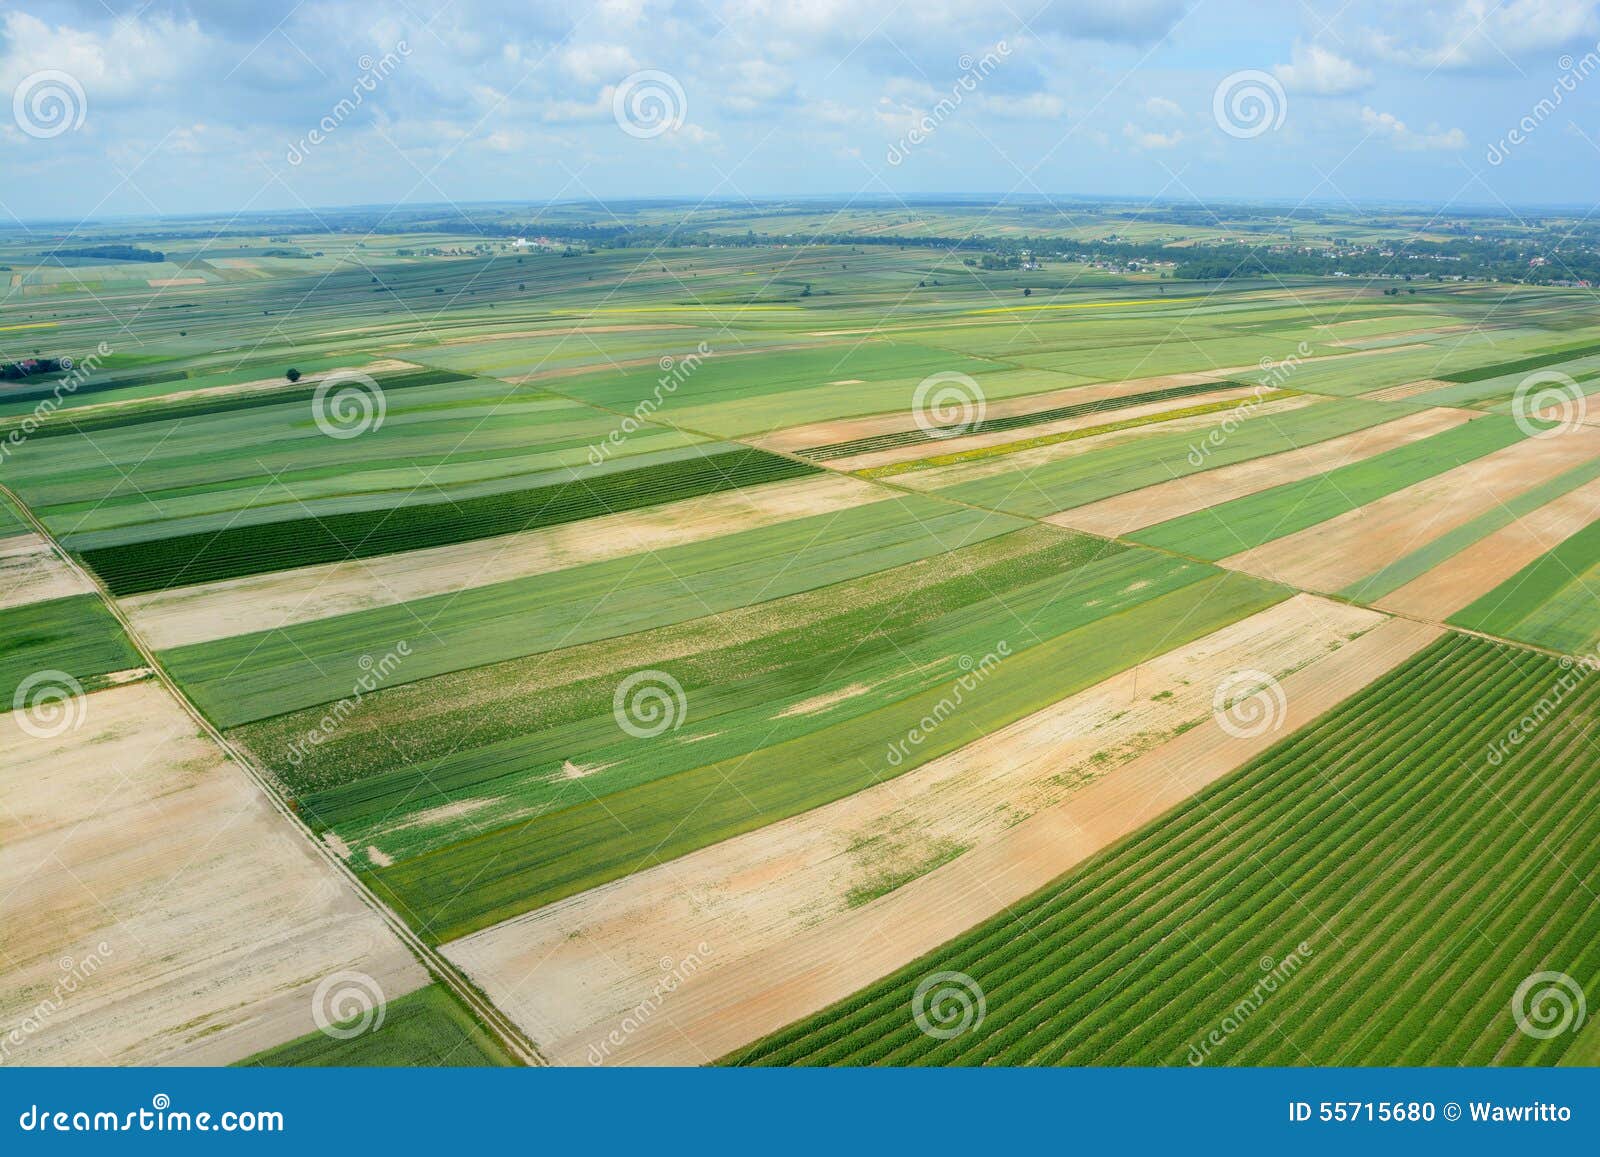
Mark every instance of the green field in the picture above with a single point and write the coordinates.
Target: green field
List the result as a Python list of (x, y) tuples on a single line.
[(76, 636), (1317, 854), (427, 1028)]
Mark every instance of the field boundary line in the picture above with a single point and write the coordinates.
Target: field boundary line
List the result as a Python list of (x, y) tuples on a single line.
[(504, 1030)]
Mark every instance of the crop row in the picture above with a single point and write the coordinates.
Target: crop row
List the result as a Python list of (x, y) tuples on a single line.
[(1423, 881), (208, 556)]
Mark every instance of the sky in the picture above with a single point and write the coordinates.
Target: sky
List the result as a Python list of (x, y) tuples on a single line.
[(232, 105)]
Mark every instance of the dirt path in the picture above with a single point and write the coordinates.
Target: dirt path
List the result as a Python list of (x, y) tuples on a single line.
[(1333, 554), (194, 924), (1487, 563), (262, 602), (31, 572), (700, 1022), (571, 973), (1125, 513)]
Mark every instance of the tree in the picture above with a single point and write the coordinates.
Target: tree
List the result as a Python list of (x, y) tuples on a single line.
[(1027, 293), (293, 375)]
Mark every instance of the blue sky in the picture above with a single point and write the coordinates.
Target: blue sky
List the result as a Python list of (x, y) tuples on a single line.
[(231, 105)]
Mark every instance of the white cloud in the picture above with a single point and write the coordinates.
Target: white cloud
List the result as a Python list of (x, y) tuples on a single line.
[(1484, 33), (1160, 106), (1389, 127), (1033, 106), (598, 63), (1316, 70), (1150, 139)]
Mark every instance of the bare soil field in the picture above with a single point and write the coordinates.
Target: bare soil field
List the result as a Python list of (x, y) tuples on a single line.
[(261, 602), (717, 1011), (1486, 564), (31, 572), (1333, 554), (156, 909), (571, 972), (1125, 513)]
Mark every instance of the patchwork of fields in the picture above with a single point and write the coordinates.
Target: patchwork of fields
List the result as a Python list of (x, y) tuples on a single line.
[(620, 660)]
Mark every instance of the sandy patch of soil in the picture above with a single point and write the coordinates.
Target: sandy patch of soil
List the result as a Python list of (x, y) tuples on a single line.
[(1487, 563), (1333, 554), (173, 282), (195, 921), (1408, 390), (262, 602), (823, 702), (1125, 513), (31, 572), (569, 973)]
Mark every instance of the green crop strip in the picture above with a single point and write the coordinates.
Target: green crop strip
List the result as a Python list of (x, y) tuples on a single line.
[(207, 557), (1320, 850)]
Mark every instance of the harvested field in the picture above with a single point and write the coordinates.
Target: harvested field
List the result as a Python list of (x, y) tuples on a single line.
[(133, 844), (32, 572), (1137, 509), (579, 966), (1333, 554), (830, 962)]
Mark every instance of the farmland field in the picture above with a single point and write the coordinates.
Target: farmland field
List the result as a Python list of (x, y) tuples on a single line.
[(487, 624)]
